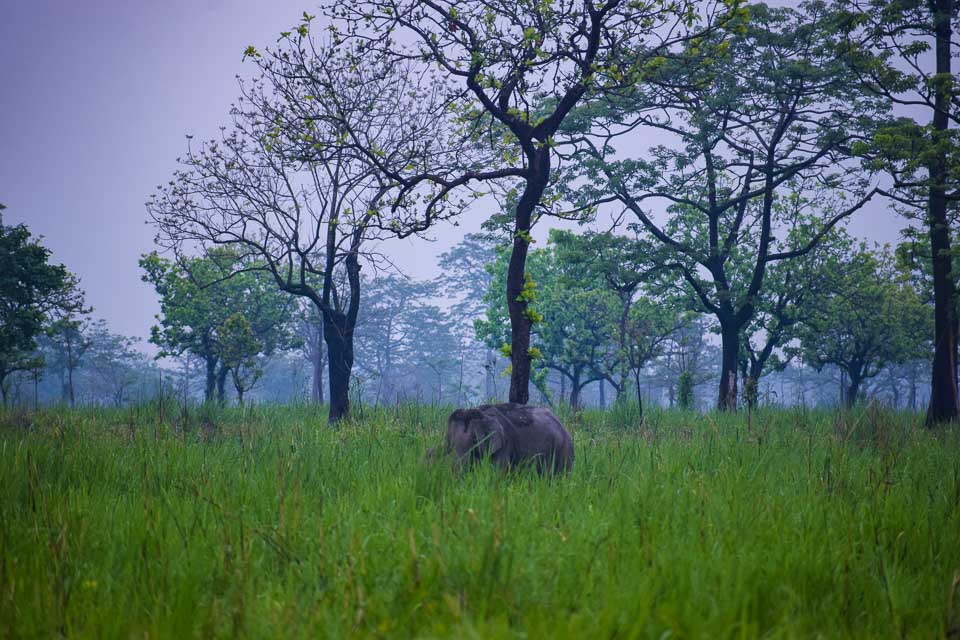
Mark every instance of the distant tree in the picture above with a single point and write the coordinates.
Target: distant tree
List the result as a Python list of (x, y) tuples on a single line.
[(33, 293), (760, 125), (286, 187), (891, 42), (69, 342), (239, 348), (114, 366), (385, 335), (196, 299), (574, 321), (866, 319), (513, 73), (466, 277), (309, 329), (621, 264), (786, 300), (687, 358)]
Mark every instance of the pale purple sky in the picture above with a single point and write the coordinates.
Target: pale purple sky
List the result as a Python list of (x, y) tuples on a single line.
[(95, 100)]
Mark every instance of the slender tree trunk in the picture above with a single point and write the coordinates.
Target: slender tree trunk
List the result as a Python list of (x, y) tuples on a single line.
[(913, 388), (70, 370), (944, 397), (603, 394), (489, 380), (575, 389), (316, 393), (636, 379), (730, 344), (339, 339), (517, 303)]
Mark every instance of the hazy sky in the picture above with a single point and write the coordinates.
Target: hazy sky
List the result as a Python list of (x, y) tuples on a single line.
[(95, 99)]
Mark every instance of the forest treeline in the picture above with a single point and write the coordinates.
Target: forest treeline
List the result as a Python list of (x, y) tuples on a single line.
[(705, 156)]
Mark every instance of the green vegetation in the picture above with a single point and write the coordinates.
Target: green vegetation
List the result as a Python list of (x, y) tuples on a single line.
[(262, 521)]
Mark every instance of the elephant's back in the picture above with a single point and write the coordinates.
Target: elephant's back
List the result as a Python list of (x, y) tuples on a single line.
[(535, 433)]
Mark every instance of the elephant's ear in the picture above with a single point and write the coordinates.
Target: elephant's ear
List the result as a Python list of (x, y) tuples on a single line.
[(489, 434)]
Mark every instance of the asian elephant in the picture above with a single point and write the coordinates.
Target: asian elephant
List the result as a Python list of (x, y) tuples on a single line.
[(511, 435)]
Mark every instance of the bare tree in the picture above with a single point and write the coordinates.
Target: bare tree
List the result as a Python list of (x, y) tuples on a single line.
[(286, 188)]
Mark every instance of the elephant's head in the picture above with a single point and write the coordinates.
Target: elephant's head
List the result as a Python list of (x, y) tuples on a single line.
[(472, 435)]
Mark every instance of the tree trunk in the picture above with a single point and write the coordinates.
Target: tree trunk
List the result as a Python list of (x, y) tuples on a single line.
[(517, 302), (222, 385), (70, 370), (339, 339), (944, 398), (489, 380), (316, 393), (913, 388), (575, 390), (853, 389), (211, 385), (639, 395), (730, 339), (603, 394)]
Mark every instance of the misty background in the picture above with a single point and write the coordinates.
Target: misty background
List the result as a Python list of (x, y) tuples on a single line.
[(96, 101)]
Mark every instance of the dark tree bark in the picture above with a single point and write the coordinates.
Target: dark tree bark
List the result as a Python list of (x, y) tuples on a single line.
[(338, 328), (211, 385), (730, 347), (222, 385), (575, 387), (317, 361), (520, 324), (944, 398), (339, 339), (854, 381)]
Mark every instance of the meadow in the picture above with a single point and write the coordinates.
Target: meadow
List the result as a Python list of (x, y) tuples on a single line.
[(266, 522)]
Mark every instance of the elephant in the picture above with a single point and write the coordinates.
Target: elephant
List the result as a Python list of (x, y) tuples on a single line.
[(511, 435)]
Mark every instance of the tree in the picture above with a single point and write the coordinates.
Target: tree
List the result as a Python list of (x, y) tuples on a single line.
[(310, 331), (386, 335), (786, 300), (891, 40), (466, 277), (284, 186), (114, 366), (69, 345), (574, 321), (514, 72), (239, 348), (32, 292), (406, 345), (761, 124), (196, 300), (620, 264), (867, 318)]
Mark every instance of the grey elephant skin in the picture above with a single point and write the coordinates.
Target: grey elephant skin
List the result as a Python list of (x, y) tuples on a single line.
[(511, 436)]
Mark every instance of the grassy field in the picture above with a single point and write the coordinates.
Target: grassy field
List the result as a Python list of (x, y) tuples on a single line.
[(268, 523)]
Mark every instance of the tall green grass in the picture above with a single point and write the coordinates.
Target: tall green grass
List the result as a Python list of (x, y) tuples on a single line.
[(265, 522)]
